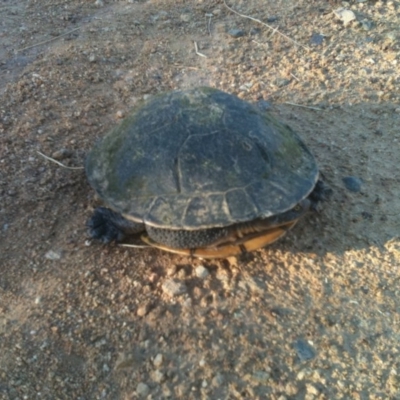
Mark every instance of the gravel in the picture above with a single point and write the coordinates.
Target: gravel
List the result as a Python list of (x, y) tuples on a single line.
[(313, 316), (236, 33)]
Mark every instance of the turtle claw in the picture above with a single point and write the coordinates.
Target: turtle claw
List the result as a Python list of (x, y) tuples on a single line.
[(102, 226)]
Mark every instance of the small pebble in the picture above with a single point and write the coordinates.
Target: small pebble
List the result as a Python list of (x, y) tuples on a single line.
[(366, 215), (158, 359), (271, 19), (300, 376), (317, 39), (120, 114), (61, 154), (172, 271), (142, 390), (304, 350), (181, 274), (236, 33), (158, 376), (153, 277), (346, 16), (282, 82), (218, 380), (143, 310), (185, 17), (311, 389), (352, 183), (366, 25), (52, 255), (173, 287), (202, 272)]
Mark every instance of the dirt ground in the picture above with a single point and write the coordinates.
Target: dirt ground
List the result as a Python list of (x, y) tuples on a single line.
[(314, 316)]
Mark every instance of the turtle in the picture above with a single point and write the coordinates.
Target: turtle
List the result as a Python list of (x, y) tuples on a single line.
[(201, 172)]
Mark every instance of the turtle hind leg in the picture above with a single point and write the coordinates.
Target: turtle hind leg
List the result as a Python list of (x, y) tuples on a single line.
[(107, 226)]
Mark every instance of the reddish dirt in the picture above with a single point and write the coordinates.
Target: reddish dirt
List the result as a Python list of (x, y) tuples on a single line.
[(314, 316)]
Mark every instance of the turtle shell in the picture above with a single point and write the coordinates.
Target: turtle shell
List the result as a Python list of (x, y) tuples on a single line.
[(198, 159)]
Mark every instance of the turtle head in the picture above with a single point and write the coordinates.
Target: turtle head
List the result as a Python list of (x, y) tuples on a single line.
[(301, 208)]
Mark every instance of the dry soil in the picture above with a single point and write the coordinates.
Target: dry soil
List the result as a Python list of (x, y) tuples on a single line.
[(314, 316)]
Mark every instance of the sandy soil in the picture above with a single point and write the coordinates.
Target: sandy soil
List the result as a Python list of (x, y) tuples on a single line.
[(314, 316)]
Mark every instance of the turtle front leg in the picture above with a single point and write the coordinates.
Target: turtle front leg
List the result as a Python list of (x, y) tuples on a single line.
[(107, 225), (320, 193)]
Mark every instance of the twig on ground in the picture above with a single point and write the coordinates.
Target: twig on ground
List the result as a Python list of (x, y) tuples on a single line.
[(134, 246), (197, 51), (295, 77), (47, 41), (268, 26), (209, 16), (300, 105), (57, 162), (273, 32)]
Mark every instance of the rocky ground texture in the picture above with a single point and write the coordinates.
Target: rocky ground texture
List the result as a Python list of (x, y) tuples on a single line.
[(314, 316)]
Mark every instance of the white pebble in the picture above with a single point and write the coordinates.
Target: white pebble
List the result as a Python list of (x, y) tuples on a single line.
[(185, 17), (202, 272), (158, 359), (158, 376), (300, 375), (173, 287), (52, 255)]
